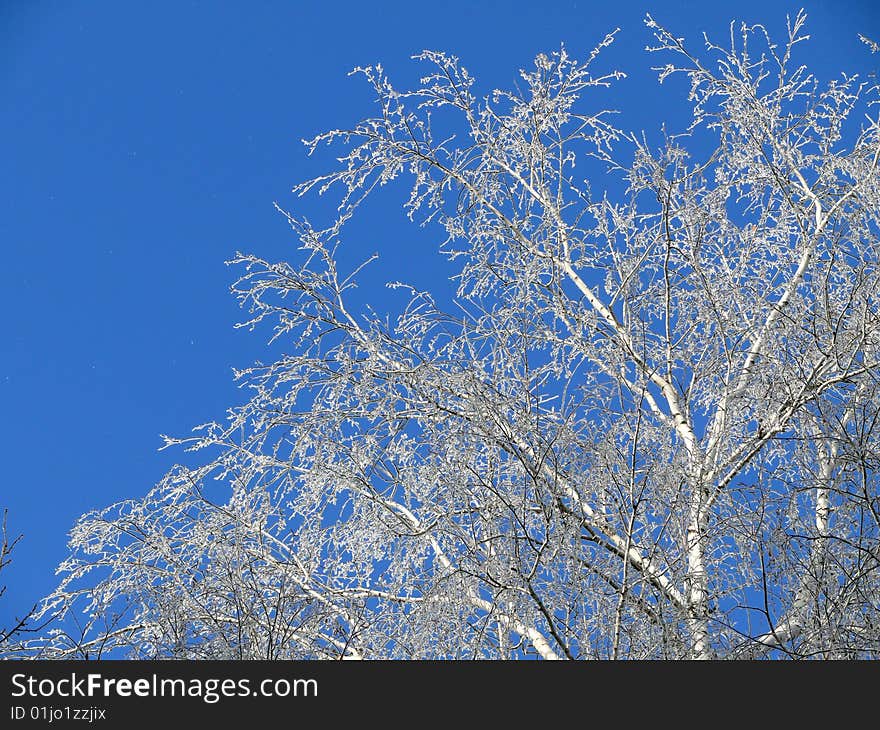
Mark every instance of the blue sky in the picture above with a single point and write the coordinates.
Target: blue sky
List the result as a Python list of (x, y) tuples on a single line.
[(142, 144)]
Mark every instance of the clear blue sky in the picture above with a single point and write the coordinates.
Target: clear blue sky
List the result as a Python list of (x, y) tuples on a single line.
[(142, 144)]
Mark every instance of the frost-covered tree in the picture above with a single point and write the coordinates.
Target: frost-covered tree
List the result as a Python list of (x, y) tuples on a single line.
[(647, 425)]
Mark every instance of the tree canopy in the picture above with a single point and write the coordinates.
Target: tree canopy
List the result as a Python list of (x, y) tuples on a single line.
[(646, 425)]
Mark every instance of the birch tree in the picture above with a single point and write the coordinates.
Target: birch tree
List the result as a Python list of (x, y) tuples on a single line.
[(645, 427)]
